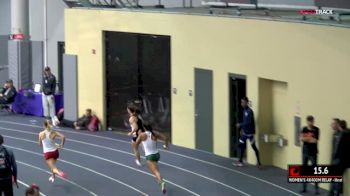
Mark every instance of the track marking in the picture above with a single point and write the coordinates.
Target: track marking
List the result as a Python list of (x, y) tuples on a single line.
[(128, 153), (69, 181), (66, 131), (235, 171), (101, 158), (88, 169), (199, 160), (26, 185)]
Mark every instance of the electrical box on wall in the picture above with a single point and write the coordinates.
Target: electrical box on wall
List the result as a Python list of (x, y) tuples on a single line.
[(190, 93), (174, 91)]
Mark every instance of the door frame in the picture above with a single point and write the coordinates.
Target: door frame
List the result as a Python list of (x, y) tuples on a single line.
[(232, 76), (61, 47), (105, 88)]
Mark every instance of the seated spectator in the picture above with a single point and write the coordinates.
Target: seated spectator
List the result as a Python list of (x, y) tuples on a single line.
[(7, 93), (33, 190), (84, 121)]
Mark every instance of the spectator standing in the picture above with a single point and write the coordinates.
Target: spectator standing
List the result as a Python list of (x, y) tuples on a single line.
[(248, 132), (49, 88), (309, 137), (341, 158), (336, 135), (8, 170)]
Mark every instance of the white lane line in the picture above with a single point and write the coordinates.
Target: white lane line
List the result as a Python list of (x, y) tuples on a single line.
[(65, 131), (184, 156), (26, 185), (101, 158), (235, 171), (69, 181), (205, 152), (128, 153), (87, 169)]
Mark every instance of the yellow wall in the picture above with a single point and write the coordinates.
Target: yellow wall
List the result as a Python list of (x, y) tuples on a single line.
[(313, 60)]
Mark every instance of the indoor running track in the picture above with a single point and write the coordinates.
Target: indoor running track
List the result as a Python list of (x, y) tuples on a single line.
[(102, 164)]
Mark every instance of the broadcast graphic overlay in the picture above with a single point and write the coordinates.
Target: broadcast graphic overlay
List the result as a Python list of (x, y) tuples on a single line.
[(311, 174)]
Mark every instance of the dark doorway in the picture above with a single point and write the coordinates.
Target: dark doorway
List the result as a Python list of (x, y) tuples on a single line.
[(237, 87), (138, 71), (61, 50), (204, 109)]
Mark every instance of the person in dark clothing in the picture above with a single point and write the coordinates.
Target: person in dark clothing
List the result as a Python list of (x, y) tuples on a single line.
[(336, 137), (248, 132), (83, 121), (8, 170), (7, 93), (49, 88), (33, 190), (310, 136), (341, 158)]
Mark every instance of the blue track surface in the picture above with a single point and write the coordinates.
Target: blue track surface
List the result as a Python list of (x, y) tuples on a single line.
[(103, 164)]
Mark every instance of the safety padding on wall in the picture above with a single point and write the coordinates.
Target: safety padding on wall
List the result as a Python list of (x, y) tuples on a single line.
[(19, 64), (70, 86), (37, 61)]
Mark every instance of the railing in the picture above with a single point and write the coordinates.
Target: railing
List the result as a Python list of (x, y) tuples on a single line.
[(122, 3), (338, 10)]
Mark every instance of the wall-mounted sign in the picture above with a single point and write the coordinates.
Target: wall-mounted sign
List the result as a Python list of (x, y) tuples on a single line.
[(17, 36)]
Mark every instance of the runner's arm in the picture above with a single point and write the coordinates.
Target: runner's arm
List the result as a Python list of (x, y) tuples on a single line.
[(133, 124), (162, 137), (39, 140), (140, 139), (60, 136)]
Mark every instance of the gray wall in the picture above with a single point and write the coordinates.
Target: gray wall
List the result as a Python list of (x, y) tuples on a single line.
[(70, 96), (5, 17), (36, 20), (4, 74), (3, 50), (37, 61), (55, 26)]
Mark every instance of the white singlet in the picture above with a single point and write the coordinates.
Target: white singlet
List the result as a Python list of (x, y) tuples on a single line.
[(149, 145), (48, 144)]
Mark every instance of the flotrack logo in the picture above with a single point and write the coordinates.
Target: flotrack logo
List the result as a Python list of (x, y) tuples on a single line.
[(316, 12)]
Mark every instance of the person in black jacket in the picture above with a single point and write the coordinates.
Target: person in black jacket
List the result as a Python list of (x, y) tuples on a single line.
[(310, 136), (8, 170), (7, 93), (83, 121), (49, 88), (248, 132), (341, 158)]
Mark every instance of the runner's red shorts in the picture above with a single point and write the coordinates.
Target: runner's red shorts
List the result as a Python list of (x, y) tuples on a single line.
[(52, 155)]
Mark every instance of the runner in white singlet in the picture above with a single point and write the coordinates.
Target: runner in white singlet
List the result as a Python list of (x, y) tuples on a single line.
[(50, 148), (149, 142)]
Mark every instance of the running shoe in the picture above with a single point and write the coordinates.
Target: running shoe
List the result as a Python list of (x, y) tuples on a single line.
[(52, 179), (162, 187), (62, 174), (259, 166), (138, 163), (165, 147), (239, 164)]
